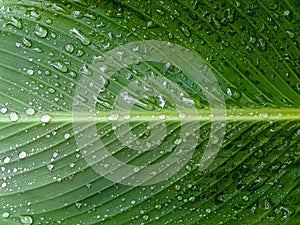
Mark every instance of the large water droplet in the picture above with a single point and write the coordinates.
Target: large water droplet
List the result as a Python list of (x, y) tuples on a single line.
[(16, 22), (45, 118), (40, 31), (83, 39), (27, 220), (5, 215), (30, 111), (60, 66), (13, 117)]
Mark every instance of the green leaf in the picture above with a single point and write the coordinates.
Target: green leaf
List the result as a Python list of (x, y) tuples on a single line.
[(207, 90)]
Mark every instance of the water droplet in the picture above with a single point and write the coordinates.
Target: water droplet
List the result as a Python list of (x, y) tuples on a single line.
[(145, 217), (40, 31), (233, 93), (245, 198), (45, 118), (288, 15), (16, 22), (83, 39), (60, 8), (214, 139), (113, 117), (127, 117), (185, 31), (60, 66), (30, 72), (215, 22), (177, 141), (3, 110), (192, 199), (136, 169), (132, 202), (208, 210), (30, 111), (158, 206), (290, 34), (5, 215), (27, 220), (26, 42), (13, 117), (161, 12), (22, 155), (177, 187), (69, 48), (67, 135), (50, 167), (181, 115), (6, 160), (262, 45)]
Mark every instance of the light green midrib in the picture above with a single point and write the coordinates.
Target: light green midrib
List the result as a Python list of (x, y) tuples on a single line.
[(267, 114)]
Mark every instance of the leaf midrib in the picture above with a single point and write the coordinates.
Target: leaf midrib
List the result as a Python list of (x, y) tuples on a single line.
[(262, 114)]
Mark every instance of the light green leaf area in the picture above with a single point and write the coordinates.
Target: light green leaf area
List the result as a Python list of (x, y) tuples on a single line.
[(252, 49)]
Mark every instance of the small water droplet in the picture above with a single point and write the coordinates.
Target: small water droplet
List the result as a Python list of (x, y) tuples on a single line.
[(26, 42), (83, 39), (136, 169), (233, 93), (6, 160), (27, 220), (22, 155), (30, 111), (288, 15), (132, 202), (177, 187), (208, 210), (145, 217), (13, 117), (50, 167), (181, 115), (60, 66), (69, 48), (290, 34), (3, 110), (262, 45), (245, 198), (113, 117), (30, 72), (177, 141), (67, 135), (45, 118), (158, 206), (40, 31)]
